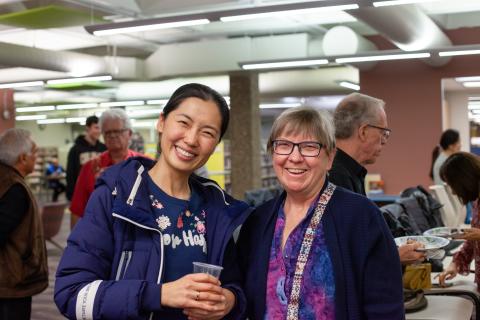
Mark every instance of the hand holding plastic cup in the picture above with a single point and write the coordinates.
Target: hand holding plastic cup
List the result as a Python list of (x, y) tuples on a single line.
[(211, 269)]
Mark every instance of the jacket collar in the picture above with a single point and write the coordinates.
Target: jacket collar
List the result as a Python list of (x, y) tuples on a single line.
[(129, 185)]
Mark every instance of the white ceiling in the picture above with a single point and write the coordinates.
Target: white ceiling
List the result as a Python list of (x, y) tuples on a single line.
[(447, 14)]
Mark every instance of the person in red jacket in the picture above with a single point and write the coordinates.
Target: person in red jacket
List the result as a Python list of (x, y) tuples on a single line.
[(116, 129)]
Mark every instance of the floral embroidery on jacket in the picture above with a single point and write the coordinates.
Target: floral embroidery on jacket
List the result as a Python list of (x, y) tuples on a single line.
[(163, 222), (155, 203)]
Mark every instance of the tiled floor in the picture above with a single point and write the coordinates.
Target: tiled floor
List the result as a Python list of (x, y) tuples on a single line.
[(43, 307)]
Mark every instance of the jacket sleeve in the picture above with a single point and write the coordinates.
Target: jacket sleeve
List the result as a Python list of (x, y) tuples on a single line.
[(231, 277), (73, 168), (82, 288), (81, 194), (382, 277), (13, 207), (464, 257)]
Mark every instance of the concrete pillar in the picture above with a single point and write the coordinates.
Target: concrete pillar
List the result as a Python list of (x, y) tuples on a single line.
[(244, 133)]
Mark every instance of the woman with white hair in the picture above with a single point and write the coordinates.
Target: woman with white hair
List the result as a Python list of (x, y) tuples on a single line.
[(317, 251)]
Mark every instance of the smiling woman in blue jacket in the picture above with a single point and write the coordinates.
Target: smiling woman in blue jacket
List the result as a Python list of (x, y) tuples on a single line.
[(131, 255)]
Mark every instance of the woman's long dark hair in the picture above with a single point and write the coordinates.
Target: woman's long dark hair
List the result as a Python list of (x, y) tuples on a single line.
[(461, 171), (448, 137)]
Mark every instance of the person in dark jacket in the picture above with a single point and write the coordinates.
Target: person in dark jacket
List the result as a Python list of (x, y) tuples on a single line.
[(86, 148), (131, 255), (317, 251), (361, 133), (23, 255)]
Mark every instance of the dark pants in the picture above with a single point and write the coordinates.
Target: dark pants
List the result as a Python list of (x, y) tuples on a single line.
[(57, 189), (15, 309)]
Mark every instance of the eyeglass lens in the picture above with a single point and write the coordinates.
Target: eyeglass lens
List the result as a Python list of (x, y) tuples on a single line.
[(306, 148)]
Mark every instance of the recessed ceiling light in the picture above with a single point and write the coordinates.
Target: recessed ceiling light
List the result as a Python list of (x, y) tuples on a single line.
[(21, 84), (282, 13), (148, 27), (79, 79), (284, 64), (385, 57), (349, 85), (32, 117), (398, 2), (33, 109)]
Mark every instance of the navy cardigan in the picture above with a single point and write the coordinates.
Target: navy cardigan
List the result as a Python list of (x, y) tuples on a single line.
[(366, 266)]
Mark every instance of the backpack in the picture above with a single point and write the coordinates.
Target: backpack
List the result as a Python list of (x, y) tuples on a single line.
[(398, 220), (430, 216)]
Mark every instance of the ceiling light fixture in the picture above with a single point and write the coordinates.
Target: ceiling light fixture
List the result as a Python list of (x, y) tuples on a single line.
[(349, 85), (146, 25), (464, 79), (144, 124), (458, 53), (33, 109), (121, 104), (21, 84), (283, 64), (76, 119), (77, 106), (281, 13), (398, 2), (144, 112), (472, 84), (32, 117), (385, 57), (50, 121), (80, 79), (157, 102), (279, 105)]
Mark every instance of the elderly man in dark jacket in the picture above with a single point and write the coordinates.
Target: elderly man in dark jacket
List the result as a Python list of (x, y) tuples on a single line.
[(23, 258)]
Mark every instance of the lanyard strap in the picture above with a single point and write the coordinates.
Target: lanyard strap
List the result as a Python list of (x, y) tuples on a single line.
[(308, 237)]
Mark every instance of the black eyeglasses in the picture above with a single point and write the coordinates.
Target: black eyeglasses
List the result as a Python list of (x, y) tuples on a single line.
[(306, 148), (385, 131), (114, 133)]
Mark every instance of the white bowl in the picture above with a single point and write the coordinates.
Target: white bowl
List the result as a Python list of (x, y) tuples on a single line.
[(443, 232), (430, 242)]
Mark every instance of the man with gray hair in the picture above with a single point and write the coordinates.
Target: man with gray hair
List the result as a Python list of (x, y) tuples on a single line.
[(117, 131), (23, 257), (362, 131)]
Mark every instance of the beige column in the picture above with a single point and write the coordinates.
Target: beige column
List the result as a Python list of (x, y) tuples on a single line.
[(244, 133)]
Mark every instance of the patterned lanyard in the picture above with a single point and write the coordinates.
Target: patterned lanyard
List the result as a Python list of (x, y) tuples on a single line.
[(292, 311)]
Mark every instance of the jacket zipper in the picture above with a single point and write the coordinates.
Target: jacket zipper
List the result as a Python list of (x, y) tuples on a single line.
[(160, 271), (123, 264)]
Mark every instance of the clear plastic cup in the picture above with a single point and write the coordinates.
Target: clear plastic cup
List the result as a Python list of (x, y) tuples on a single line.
[(211, 269)]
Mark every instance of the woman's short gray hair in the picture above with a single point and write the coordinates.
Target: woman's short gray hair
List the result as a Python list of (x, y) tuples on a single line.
[(14, 142), (304, 120), (114, 114), (353, 111)]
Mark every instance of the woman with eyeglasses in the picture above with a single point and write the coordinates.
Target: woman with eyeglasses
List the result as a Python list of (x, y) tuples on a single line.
[(461, 171), (317, 251), (131, 255), (449, 144)]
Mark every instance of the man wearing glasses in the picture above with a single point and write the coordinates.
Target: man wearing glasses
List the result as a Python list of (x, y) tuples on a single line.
[(116, 129), (361, 132)]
